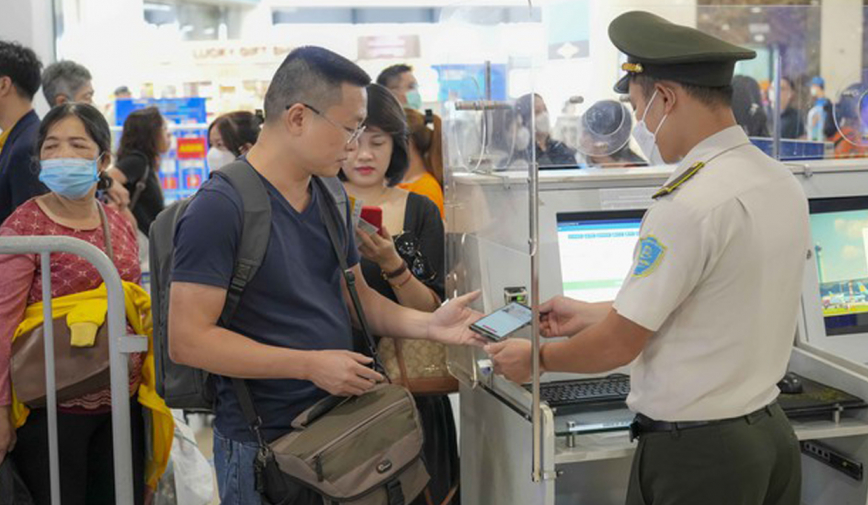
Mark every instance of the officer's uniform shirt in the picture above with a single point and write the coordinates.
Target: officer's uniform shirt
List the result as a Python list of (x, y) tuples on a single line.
[(717, 276)]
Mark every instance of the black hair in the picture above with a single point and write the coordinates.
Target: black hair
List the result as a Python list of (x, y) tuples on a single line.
[(311, 75), (524, 107), (94, 124), (63, 78), (747, 106), (386, 113), (710, 96), (142, 130), (22, 66), (389, 74), (237, 129)]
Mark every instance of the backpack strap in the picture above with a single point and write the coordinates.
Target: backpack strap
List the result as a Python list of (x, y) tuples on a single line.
[(142, 183), (255, 231), (339, 196), (329, 212)]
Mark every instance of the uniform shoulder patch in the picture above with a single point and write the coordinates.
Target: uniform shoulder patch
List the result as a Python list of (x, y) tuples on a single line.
[(651, 253)]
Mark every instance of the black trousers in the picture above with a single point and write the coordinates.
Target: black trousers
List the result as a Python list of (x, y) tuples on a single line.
[(440, 449), (738, 462), (86, 457)]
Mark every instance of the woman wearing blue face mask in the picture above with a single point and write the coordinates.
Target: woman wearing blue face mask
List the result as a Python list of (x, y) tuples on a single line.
[(73, 148)]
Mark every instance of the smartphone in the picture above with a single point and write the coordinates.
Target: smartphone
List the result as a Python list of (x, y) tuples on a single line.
[(373, 216), (505, 321)]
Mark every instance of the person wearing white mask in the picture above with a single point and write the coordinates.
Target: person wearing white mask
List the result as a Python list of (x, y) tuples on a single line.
[(230, 136), (708, 312), (550, 153)]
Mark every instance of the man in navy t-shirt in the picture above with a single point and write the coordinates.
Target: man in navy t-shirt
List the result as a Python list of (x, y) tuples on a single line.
[(291, 336)]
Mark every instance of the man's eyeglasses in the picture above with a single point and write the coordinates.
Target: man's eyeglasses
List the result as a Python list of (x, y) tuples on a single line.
[(354, 134)]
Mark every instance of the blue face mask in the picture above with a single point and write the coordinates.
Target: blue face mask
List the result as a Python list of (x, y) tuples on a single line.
[(414, 99), (70, 178)]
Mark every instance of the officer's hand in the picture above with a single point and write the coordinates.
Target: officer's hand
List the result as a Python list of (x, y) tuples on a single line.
[(7, 433), (512, 359), (565, 317), (341, 373)]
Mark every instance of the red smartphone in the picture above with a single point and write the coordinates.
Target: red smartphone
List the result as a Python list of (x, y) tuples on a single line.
[(374, 216)]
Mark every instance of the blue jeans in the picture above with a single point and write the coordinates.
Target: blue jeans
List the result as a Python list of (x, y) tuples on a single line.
[(236, 482), (233, 462)]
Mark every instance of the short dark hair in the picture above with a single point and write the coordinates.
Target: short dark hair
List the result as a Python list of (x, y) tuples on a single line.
[(63, 78), (94, 124), (711, 96), (311, 75), (524, 107), (389, 74), (22, 66), (236, 129), (386, 113), (141, 133)]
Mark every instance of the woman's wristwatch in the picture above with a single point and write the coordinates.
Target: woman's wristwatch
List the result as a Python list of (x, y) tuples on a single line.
[(396, 273)]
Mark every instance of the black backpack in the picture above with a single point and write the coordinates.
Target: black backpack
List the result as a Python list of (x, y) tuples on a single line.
[(183, 387)]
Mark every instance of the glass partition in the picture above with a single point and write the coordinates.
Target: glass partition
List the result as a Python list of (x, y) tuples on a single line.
[(552, 63)]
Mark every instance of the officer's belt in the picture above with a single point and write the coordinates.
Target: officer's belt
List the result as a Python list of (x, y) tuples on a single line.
[(643, 425)]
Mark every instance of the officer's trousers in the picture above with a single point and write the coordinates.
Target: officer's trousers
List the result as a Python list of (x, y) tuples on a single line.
[(737, 462)]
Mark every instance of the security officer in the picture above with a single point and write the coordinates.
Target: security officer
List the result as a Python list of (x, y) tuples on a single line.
[(709, 309)]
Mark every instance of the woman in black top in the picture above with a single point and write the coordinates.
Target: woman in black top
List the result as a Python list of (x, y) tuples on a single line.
[(144, 140), (409, 268), (550, 153), (792, 126)]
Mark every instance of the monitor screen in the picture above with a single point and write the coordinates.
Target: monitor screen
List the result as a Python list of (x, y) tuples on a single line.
[(839, 229), (596, 250)]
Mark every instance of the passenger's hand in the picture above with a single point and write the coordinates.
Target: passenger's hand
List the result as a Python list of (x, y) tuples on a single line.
[(512, 359), (380, 248), (565, 317), (342, 373), (450, 324), (7, 433), (119, 197)]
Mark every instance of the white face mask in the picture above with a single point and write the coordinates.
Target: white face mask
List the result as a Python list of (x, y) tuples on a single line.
[(543, 124), (648, 141), (522, 138), (218, 158)]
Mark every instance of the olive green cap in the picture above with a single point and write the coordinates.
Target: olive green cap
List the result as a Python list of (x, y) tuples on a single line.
[(663, 50)]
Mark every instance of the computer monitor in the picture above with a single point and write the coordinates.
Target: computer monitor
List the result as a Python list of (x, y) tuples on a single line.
[(596, 251), (839, 229)]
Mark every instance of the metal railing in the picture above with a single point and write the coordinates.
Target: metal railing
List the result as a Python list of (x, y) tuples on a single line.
[(120, 345)]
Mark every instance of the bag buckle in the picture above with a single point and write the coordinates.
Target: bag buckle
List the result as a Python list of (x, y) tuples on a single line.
[(395, 493)]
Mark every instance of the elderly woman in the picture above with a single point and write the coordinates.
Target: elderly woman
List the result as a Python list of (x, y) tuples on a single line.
[(73, 147)]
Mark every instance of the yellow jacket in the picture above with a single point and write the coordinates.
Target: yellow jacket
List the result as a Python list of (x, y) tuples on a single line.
[(85, 312)]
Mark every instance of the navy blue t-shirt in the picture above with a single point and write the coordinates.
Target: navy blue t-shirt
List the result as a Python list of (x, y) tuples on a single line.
[(294, 300)]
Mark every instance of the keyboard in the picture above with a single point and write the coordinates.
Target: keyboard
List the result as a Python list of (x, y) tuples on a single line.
[(613, 388)]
